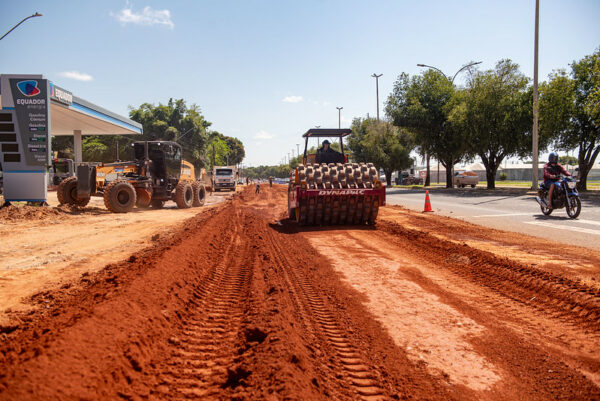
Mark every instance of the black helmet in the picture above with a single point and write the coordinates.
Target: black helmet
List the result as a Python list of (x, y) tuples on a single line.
[(553, 157), (326, 142)]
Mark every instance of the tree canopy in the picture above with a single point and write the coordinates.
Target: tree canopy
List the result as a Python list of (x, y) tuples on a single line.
[(495, 112), (570, 111), (381, 143), (422, 105)]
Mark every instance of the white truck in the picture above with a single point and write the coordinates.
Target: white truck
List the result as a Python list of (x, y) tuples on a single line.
[(224, 177)]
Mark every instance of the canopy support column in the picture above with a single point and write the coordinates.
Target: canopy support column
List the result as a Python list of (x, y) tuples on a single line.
[(77, 147)]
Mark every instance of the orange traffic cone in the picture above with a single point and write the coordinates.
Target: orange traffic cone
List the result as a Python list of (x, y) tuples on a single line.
[(427, 203)]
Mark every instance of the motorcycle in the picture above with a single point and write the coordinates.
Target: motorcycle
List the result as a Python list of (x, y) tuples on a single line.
[(565, 195)]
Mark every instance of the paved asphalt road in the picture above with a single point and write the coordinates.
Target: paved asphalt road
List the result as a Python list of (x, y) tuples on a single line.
[(519, 213)]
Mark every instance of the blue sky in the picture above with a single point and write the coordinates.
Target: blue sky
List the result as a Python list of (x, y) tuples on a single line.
[(266, 71)]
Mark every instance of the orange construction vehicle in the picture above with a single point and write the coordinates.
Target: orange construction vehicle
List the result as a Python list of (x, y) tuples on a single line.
[(156, 175)]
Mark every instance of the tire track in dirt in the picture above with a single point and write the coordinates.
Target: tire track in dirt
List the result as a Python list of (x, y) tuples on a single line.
[(201, 360), (357, 373), (559, 296)]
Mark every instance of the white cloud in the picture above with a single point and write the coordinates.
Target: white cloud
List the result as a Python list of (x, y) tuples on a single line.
[(321, 103), (292, 99), (76, 75), (148, 16), (263, 135)]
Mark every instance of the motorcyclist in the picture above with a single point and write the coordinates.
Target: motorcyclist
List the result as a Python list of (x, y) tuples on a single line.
[(552, 172), (328, 155)]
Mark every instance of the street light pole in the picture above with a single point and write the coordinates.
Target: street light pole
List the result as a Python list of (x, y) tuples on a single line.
[(534, 145), (377, 91), (23, 20), (339, 116)]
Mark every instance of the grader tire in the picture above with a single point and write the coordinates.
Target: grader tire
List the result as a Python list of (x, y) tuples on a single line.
[(68, 193), (60, 191), (119, 197), (199, 194), (184, 195)]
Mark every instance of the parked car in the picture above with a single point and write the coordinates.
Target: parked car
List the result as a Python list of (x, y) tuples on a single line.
[(463, 178)]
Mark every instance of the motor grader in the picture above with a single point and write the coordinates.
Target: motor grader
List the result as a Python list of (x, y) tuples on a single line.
[(326, 189), (156, 175)]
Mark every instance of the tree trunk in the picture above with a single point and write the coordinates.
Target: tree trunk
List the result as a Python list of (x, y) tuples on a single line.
[(388, 177), (428, 175), (586, 160), (449, 183), (490, 174), (582, 184)]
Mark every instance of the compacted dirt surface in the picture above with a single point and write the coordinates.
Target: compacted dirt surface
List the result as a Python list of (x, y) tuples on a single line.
[(239, 303)]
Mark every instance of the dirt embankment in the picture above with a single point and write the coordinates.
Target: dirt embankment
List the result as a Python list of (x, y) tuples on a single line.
[(242, 304), (48, 247)]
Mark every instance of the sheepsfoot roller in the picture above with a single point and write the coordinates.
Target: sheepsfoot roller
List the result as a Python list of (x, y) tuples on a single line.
[(325, 189)]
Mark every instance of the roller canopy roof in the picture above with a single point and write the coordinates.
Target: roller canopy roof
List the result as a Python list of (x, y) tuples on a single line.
[(327, 132)]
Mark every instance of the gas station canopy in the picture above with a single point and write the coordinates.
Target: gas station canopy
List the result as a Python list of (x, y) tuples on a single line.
[(88, 118)]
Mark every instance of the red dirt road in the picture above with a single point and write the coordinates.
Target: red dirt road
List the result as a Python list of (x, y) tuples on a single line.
[(242, 305)]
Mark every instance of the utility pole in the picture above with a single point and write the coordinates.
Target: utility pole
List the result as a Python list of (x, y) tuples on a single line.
[(339, 116), (298, 149), (534, 145), (377, 91)]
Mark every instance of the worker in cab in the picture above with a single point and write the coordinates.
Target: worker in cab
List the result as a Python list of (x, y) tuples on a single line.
[(327, 155)]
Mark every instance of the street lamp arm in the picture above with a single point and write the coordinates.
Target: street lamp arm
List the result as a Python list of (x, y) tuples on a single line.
[(466, 66), (23, 20), (433, 68)]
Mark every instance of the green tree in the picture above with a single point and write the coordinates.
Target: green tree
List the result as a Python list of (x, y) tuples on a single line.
[(94, 149), (382, 144), (217, 150), (264, 172), (236, 150), (495, 112), (570, 114), (422, 105), (567, 160), (174, 122)]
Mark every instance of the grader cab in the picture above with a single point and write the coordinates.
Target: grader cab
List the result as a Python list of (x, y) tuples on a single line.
[(326, 189), (156, 175)]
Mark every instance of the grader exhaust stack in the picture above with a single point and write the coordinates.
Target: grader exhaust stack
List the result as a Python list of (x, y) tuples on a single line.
[(326, 189)]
